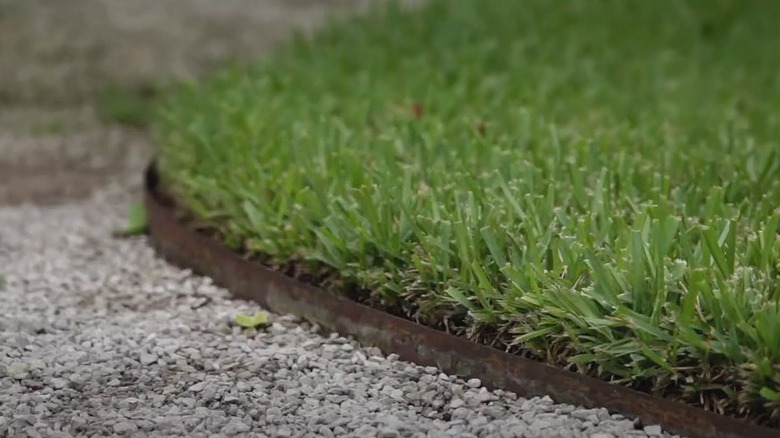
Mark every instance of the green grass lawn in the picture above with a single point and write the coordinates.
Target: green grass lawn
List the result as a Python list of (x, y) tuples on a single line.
[(591, 183)]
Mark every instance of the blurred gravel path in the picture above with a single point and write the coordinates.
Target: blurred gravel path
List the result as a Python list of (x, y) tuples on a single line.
[(57, 57), (100, 338)]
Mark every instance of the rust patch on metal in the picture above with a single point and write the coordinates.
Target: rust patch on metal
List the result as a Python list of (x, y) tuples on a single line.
[(414, 342)]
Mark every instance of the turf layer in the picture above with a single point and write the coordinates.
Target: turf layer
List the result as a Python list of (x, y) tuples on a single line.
[(594, 184)]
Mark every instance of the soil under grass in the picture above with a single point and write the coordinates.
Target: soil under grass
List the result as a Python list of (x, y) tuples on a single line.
[(593, 184)]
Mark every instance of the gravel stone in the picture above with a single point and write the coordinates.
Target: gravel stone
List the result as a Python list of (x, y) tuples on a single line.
[(236, 426), (474, 383), (125, 427), (653, 430), (386, 433), (98, 336), (148, 359)]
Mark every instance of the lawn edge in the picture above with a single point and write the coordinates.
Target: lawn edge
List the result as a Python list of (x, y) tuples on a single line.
[(413, 342)]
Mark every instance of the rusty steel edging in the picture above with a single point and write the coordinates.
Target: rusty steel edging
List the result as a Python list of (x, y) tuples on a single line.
[(416, 343)]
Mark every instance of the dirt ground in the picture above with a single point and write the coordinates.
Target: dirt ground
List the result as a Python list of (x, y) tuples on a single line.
[(57, 56)]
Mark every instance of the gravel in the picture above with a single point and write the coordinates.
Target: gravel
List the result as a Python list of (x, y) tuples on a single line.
[(98, 337)]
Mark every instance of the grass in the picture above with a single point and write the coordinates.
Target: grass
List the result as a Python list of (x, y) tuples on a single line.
[(131, 106), (48, 127), (592, 184)]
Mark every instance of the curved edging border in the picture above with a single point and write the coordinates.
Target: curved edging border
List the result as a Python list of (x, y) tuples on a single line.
[(413, 342)]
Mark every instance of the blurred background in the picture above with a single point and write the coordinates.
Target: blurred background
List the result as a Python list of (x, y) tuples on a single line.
[(77, 78)]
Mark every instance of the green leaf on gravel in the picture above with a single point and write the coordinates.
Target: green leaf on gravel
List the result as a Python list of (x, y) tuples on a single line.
[(252, 321), (137, 221)]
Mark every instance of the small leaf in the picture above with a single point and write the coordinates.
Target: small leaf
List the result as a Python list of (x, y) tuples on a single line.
[(137, 221), (655, 357), (770, 394), (252, 321), (460, 298)]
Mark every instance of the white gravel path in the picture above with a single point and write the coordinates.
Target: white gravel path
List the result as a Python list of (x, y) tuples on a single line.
[(100, 338)]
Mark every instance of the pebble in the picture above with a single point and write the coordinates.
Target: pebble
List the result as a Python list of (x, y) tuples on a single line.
[(653, 430), (125, 427), (474, 383)]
